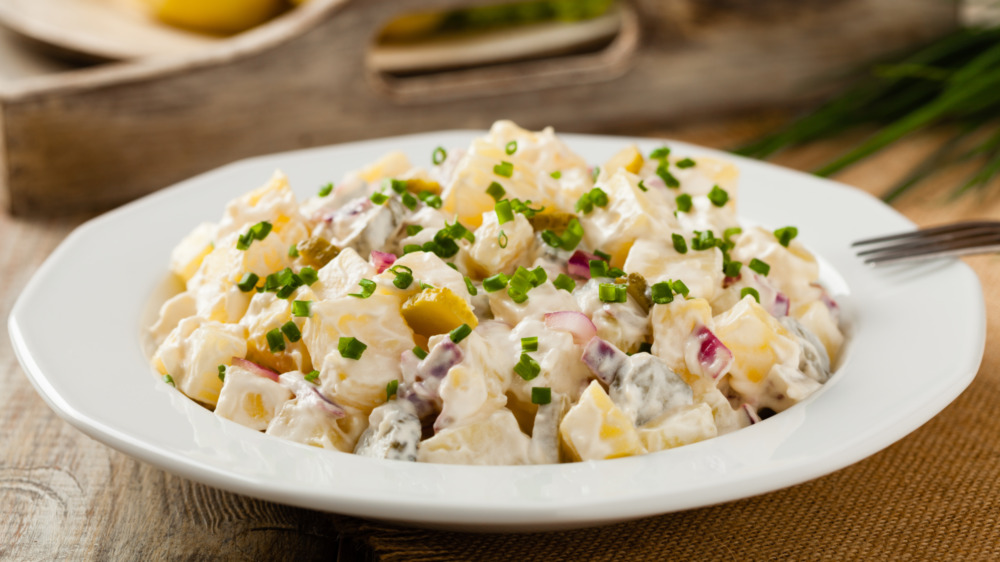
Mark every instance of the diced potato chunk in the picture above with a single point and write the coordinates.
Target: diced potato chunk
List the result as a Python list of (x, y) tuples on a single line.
[(497, 440), (437, 311), (757, 340), (192, 353), (596, 429), (628, 159), (673, 324), (188, 255), (250, 399), (305, 423), (673, 429)]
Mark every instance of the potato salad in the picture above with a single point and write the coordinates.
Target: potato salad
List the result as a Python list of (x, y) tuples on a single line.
[(501, 303)]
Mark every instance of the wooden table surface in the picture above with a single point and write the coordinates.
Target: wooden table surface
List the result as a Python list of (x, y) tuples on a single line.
[(65, 496)]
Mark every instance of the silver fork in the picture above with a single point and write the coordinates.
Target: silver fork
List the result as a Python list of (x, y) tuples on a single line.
[(958, 239)]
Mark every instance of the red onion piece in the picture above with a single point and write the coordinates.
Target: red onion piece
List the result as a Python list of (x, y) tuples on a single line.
[(751, 414), (579, 264), (713, 356), (603, 359), (255, 368), (382, 260), (576, 323), (781, 305), (328, 405), (655, 182), (423, 391)]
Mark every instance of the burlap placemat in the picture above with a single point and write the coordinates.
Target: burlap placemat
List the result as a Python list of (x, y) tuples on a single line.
[(935, 495)]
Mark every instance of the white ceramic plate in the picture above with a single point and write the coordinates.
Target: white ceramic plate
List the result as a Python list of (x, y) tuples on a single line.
[(916, 340)]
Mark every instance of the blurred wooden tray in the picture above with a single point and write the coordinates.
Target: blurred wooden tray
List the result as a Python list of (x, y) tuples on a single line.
[(93, 138)]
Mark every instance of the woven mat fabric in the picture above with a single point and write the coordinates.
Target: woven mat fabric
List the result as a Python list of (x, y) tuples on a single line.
[(935, 495)]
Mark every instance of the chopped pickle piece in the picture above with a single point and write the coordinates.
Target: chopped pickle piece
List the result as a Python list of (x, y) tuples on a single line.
[(317, 251), (556, 221), (437, 310), (637, 289)]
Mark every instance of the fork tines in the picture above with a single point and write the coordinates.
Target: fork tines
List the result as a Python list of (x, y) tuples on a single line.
[(949, 240)]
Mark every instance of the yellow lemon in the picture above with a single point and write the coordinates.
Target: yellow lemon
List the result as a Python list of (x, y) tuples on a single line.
[(217, 16)]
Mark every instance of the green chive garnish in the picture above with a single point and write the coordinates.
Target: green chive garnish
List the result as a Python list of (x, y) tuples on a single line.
[(685, 163), (430, 199), (556, 174), (502, 239), (503, 211), (419, 352), (399, 186), (541, 276), (732, 268), (291, 331), (527, 368), (612, 292), (511, 147), (169, 380), (584, 204), (750, 291), (410, 248), (505, 169), (460, 333), (680, 288), (367, 288), (679, 243), (598, 197), (409, 201), (312, 376), (248, 282), (275, 340), (598, 268), (495, 283), (642, 185), (662, 293), (529, 344), (496, 191), (786, 235), (351, 348), (683, 202), (391, 388), (759, 266), (379, 198), (470, 287), (326, 189), (439, 156), (666, 176), (718, 196), (564, 282), (301, 309), (595, 173), (541, 395), (293, 251), (308, 275), (602, 255), (222, 373), (404, 276), (413, 229)]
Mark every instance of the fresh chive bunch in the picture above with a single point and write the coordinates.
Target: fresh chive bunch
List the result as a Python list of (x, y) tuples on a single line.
[(954, 80)]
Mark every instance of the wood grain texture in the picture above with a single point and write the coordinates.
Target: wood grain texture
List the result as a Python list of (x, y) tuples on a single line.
[(97, 137)]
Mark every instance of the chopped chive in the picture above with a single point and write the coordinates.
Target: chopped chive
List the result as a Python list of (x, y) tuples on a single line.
[(470, 287), (413, 229), (391, 388), (642, 185), (603, 255), (685, 163), (293, 251), (595, 173), (275, 340), (749, 291), (668, 178), (169, 380), (244, 241), (662, 293), (409, 201), (419, 352), (312, 376), (503, 211), (584, 204), (301, 309), (351, 348), (679, 243), (522, 207), (529, 344), (496, 191), (718, 196), (572, 235), (612, 292), (424, 286), (367, 288), (541, 395), (222, 373), (404, 276), (683, 203), (679, 287), (541, 276), (598, 197), (261, 230), (703, 240), (732, 268), (615, 272), (410, 248), (379, 198), (759, 266), (660, 153), (505, 169), (430, 199), (399, 186), (527, 368), (564, 282), (556, 174), (730, 232), (308, 275), (439, 156), (248, 282), (451, 265), (598, 268), (326, 189), (284, 292), (495, 283), (511, 147), (502, 239), (460, 333), (786, 235), (517, 296), (291, 331), (551, 238)]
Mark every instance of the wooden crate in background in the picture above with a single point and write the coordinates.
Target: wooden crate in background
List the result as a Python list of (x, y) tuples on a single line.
[(93, 138)]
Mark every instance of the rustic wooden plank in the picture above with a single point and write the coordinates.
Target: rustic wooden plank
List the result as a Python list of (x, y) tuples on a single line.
[(97, 137)]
